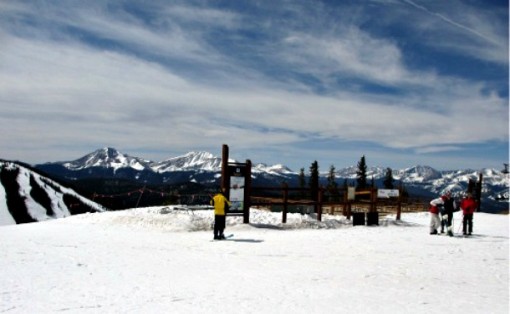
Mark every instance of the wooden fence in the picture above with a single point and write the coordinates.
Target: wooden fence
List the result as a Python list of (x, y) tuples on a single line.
[(331, 201)]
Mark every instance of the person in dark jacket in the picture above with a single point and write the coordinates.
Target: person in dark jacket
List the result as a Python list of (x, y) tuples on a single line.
[(468, 206), (449, 206), (220, 203)]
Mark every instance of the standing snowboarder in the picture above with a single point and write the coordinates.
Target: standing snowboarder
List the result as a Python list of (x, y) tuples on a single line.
[(434, 209), (220, 203), (468, 206), (447, 210)]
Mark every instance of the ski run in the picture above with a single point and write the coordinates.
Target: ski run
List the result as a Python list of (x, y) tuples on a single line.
[(163, 260)]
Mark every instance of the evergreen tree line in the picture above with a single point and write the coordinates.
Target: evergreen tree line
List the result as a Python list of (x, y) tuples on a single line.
[(361, 177)]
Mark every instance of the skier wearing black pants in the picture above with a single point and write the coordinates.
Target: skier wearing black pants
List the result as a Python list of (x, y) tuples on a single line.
[(221, 204), (468, 206), (447, 210)]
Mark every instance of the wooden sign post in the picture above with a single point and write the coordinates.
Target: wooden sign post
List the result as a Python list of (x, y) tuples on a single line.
[(236, 183)]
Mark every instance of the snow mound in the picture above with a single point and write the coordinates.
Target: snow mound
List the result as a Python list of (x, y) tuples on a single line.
[(187, 219)]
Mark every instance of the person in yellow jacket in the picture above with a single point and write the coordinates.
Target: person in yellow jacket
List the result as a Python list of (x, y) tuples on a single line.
[(220, 203)]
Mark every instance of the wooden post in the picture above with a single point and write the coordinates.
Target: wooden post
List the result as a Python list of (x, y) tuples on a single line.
[(399, 203), (319, 203), (247, 193), (373, 199), (285, 188), (479, 192), (349, 205), (344, 207), (313, 198), (224, 185)]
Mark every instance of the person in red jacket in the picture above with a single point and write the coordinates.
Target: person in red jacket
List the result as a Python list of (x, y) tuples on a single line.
[(434, 209), (468, 206)]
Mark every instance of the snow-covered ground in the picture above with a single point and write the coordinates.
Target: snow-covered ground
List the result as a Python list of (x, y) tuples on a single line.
[(159, 260)]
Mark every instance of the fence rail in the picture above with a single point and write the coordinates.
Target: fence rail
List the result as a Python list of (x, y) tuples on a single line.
[(331, 201)]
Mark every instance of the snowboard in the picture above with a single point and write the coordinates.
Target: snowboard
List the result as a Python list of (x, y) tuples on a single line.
[(227, 236)]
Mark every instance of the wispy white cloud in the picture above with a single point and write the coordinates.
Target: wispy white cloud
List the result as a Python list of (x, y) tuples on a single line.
[(164, 83), (477, 32), (118, 89), (355, 54), (452, 22), (437, 149)]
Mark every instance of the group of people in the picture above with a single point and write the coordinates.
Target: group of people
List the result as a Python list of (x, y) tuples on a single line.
[(441, 214)]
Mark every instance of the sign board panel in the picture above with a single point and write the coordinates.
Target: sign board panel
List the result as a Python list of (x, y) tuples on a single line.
[(351, 193), (386, 193), (236, 180), (237, 193)]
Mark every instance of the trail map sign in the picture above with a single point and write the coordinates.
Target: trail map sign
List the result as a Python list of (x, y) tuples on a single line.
[(236, 189), (236, 180), (351, 193), (385, 193)]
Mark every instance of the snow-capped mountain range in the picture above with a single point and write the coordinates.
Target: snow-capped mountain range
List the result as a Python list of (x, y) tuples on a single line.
[(205, 168), (193, 166), (495, 183), (27, 193)]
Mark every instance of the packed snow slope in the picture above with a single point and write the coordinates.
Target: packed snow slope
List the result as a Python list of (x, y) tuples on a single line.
[(163, 260), (26, 196)]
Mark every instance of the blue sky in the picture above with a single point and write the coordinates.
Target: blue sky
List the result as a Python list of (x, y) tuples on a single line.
[(403, 82)]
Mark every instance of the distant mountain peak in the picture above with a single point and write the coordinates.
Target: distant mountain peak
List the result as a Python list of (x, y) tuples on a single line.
[(200, 154), (107, 157), (273, 169), (192, 161), (419, 173)]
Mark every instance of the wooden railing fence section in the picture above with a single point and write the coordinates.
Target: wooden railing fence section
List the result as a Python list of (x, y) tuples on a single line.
[(331, 201)]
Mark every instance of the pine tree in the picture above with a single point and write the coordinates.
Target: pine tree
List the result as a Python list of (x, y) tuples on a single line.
[(314, 180), (361, 173), (332, 185), (388, 179)]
